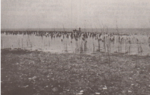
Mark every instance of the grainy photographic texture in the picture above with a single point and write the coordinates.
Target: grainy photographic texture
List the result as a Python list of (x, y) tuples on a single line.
[(75, 47)]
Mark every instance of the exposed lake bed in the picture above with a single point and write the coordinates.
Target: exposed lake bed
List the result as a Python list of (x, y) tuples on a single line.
[(36, 73)]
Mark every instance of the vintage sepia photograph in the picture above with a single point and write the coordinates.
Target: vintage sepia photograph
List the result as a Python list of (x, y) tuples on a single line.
[(75, 47)]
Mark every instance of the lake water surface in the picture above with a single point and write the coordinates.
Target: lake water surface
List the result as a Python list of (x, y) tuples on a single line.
[(130, 44)]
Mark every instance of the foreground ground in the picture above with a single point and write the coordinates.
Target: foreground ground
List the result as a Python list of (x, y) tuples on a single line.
[(39, 73)]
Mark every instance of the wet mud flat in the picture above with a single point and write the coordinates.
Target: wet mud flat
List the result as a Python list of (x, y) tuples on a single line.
[(45, 73)]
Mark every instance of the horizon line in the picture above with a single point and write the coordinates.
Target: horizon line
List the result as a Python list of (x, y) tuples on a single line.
[(36, 29)]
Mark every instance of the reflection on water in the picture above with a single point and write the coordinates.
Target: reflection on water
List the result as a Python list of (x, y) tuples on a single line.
[(79, 42)]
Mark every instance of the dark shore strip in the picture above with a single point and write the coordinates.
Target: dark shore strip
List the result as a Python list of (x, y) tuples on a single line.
[(42, 73)]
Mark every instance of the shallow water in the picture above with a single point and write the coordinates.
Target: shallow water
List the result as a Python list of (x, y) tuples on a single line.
[(68, 45)]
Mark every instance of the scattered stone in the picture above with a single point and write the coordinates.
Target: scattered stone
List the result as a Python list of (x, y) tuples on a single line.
[(97, 93), (105, 87), (129, 91), (55, 89), (67, 90), (81, 91), (29, 78), (34, 77), (130, 78), (26, 86)]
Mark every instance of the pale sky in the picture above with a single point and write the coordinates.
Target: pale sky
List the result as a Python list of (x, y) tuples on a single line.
[(39, 14)]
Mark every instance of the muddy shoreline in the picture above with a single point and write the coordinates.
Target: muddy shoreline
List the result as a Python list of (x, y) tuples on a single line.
[(43, 73)]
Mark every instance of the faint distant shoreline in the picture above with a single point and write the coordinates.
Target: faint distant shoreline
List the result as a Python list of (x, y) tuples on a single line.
[(109, 30), (66, 29)]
